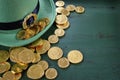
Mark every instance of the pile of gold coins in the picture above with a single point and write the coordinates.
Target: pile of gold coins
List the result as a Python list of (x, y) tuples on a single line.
[(29, 31), (28, 58)]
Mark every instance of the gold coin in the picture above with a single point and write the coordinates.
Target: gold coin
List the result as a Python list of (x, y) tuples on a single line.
[(4, 56), (65, 12), (8, 76), (75, 56), (42, 24), (70, 7), (35, 72), (14, 53), (45, 47), (29, 33), (27, 36), (61, 19), (63, 26), (55, 53), (44, 64), (51, 73), (18, 76), (59, 32), (79, 9), (28, 56), (53, 39), (37, 58), (46, 20), (36, 29), (63, 62), (38, 49), (59, 9), (16, 69), (60, 3), (5, 66), (21, 34), (38, 42)]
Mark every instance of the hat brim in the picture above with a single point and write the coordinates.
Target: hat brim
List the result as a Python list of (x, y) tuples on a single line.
[(8, 38)]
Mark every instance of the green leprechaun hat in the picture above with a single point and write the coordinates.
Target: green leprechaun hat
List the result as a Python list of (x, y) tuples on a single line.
[(12, 14)]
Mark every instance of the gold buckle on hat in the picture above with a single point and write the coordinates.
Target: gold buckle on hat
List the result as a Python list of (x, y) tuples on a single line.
[(24, 24)]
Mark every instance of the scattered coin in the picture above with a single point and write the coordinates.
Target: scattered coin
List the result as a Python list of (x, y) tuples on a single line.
[(37, 58), (59, 32), (28, 56), (63, 62), (60, 3), (44, 64), (59, 9), (8, 76), (70, 7), (53, 39), (63, 26), (5, 66), (35, 72), (75, 56), (4, 56), (65, 12), (55, 53), (51, 73), (44, 48), (14, 53), (61, 19), (79, 9)]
